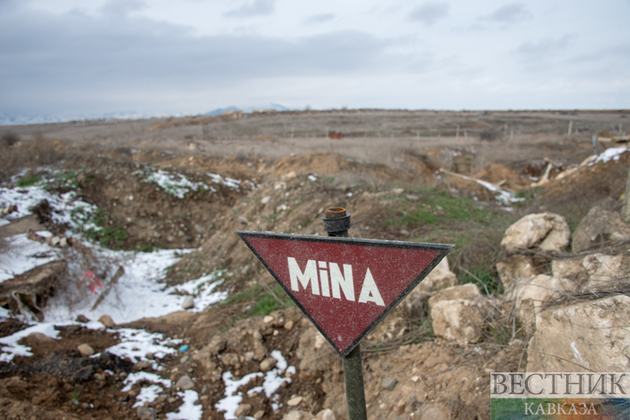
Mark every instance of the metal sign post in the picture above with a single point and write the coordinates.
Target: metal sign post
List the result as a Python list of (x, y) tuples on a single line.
[(337, 223)]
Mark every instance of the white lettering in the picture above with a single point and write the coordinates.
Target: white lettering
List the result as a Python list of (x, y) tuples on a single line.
[(344, 281), (308, 276), (323, 278), (369, 291)]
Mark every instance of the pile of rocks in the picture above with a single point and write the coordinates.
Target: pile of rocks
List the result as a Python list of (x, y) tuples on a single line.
[(574, 304)]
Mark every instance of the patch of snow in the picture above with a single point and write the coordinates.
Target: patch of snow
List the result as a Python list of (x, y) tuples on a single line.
[(10, 347), (503, 196), (613, 153), (137, 294), (225, 181), (176, 187), (22, 254), (230, 403), (202, 289), (136, 344), (271, 383), (188, 410), (147, 394), (135, 377)]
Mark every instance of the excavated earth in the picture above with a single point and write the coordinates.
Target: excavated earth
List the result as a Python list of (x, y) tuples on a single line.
[(294, 172)]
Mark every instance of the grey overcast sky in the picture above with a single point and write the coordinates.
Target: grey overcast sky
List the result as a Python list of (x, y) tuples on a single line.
[(78, 58)]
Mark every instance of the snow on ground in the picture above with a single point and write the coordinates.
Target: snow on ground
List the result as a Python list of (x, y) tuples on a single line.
[(147, 394), (67, 208), (176, 184), (273, 381), (21, 254), (188, 410), (503, 196), (136, 344), (138, 294), (613, 153), (10, 347)]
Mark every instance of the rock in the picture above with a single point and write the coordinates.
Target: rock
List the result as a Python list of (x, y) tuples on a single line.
[(389, 383), (146, 413), (288, 325), (326, 414), (516, 267), (413, 305), (267, 319), (529, 295), (572, 269), (294, 401), (243, 220), (398, 191), (232, 360), (63, 242), (587, 336), (85, 349), (243, 410), (82, 319), (604, 271), (107, 321), (259, 414), (434, 411), (185, 383), (268, 364), (440, 278), (465, 291), (189, 302), (143, 364), (298, 415), (544, 231), (38, 339), (599, 228), (265, 200), (458, 320)]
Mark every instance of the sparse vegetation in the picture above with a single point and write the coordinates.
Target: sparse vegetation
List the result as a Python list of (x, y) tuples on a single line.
[(9, 139)]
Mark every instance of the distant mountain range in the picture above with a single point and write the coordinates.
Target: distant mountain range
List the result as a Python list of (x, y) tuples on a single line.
[(7, 119)]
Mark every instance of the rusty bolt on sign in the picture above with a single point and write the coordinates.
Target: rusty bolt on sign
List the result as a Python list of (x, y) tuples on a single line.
[(336, 221)]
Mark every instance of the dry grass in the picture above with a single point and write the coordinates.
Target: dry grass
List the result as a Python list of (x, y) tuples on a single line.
[(28, 155)]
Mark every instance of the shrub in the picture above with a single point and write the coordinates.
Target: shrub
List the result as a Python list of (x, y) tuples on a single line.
[(9, 139)]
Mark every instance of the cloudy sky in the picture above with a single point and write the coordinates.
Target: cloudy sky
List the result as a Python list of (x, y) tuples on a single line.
[(69, 58)]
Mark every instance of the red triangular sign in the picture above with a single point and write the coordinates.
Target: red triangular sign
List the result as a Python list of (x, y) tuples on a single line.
[(345, 286)]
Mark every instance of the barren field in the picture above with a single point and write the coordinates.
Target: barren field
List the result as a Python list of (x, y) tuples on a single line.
[(150, 208)]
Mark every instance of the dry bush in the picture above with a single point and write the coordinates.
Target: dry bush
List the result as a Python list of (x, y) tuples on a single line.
[(489, 135), (9, 139), (28, 155)]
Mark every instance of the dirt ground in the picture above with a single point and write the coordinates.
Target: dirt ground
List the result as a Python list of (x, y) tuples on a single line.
[(375, 171)]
